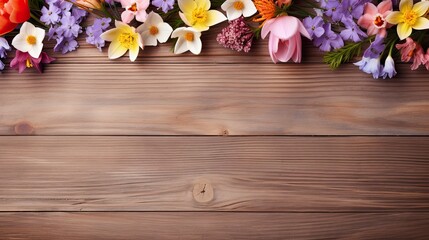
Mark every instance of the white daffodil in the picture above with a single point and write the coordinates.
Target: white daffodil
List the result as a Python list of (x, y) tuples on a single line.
[(154, 29), (235, 8), (189, 39), (29, 39)]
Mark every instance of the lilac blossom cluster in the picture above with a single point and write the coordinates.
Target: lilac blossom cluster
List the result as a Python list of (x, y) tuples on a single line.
[(63, 19), (94, 32), (343, 14), (237, 36), (4, 47), (165, 5)]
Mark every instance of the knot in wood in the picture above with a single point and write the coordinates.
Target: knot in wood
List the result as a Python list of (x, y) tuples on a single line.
[(23, 128), (203, 192)]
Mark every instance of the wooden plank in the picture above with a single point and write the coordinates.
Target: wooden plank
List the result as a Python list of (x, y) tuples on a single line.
[(234, 99), (118, 226), (290, 174)]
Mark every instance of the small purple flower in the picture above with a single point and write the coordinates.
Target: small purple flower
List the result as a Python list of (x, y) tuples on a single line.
[(389, 68), (236, 36), (50, 15), (314, 26), (329, 40), (69, 26), (4, 47), (165, 5), (93, 32), (352, 31), (65, 45), (370, 66), (376, 48)]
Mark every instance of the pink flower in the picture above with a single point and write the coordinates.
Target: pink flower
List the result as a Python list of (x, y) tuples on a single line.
[(285, 38), (427, 59), (374, 18), (134, 8), (25, 60), (412, 50)]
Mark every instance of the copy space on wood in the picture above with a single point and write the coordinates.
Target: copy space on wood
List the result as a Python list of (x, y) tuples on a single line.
[(271, 174)]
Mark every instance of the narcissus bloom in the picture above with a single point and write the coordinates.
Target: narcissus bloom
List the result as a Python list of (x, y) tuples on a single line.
[(189, 39), (235, 8), (154, 30), (29, 39), (12, 12), (196, 14), (409, 17), (123, 38)]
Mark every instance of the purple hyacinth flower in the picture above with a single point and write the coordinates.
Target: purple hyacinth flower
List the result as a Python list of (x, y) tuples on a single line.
[(69, 27), (314, 26), (4, 47), (352, 31), (50, 15), (329, 40), (65, 45), (165, 5), (376, 48)]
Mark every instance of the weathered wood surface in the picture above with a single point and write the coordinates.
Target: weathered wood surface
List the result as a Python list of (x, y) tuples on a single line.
[(201, 99), (254, 187), (206, 225), (289, 174)]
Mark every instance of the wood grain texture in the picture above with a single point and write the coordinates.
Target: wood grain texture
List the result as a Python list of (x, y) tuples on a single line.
[(234, 99), (210, 226), (286, 174)]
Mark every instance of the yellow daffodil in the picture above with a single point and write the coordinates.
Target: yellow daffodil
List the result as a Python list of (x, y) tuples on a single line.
[(123, 38), (196, 14), (409, 17)]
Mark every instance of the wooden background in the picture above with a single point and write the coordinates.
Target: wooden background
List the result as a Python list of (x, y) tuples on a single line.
[(217, 146)]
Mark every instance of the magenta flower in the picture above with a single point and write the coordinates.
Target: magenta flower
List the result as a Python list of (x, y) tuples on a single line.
[(285, 38), (25, 60)]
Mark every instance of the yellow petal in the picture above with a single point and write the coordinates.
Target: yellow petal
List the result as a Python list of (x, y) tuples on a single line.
[(187, 5), (405, 5), (214, 17), (404, 30), (421, 23), (204, 4), (134, 52), (394, 18), (421, 8), (111, 34), (116, 50)]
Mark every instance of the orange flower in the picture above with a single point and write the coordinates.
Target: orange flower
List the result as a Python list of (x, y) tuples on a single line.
[(90, 4), (13, 12), (266, 8)]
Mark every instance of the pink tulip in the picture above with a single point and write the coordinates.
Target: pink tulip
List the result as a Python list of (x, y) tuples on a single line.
[(285, 38)]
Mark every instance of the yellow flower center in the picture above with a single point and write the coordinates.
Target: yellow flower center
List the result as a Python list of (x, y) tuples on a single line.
[(189, 36), (133, 7), (410, 17), (238, 5), (28, 63), (153, 30), (199, 15), (31, 40), (126, 40)]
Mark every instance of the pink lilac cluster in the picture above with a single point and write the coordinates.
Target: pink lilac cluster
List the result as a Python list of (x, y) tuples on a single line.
[(64, 21), (237, 36)]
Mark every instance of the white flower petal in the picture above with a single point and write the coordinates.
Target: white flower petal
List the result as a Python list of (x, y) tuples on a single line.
[(164, 32), (249, 8), (20, 43), (227, 4), (180, 46), (35, 50), (214, 17), (233, 13), (178, 32), (149, 39), (134, 52), (110, 35), (195, 46)]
